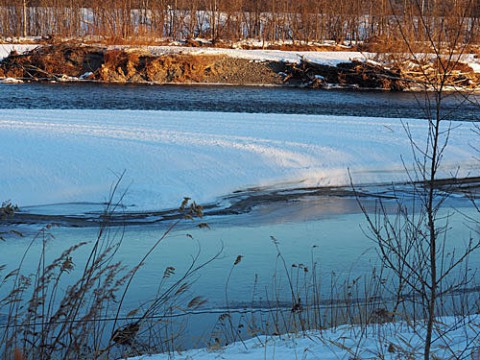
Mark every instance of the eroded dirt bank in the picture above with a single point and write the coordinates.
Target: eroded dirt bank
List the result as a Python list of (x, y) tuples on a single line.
[(66, 62), (95, 63)]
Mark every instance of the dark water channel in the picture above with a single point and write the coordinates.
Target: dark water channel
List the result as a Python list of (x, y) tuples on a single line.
[(233, 99)]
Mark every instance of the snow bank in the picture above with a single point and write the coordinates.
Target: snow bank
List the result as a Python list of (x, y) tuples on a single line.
[(58, 156), (459, 339)]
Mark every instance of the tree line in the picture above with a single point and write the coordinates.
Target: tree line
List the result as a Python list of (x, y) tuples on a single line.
[(303, 21)]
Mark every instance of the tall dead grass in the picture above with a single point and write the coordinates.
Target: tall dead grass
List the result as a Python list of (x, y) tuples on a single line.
[(66, 309), (302, 297)]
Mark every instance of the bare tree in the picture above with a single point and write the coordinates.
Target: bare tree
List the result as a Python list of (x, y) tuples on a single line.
[(301, 20), (414, 244)]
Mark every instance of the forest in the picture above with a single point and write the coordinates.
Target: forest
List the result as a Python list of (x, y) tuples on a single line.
[(383, 22)]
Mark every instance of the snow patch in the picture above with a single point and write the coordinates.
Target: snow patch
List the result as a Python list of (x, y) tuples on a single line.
[(331, 58), (6, 49), (9, 80), (453, 338)]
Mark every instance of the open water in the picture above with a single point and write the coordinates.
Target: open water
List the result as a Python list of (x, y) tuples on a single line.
[(234, 99)]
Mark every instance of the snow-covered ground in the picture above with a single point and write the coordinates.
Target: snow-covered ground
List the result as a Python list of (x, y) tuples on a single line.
[(5, 49), (452, 340), (61, 156), (327, 57), (331, 58)]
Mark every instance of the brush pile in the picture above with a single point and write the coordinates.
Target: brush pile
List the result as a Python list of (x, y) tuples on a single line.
[(52, 62), (397, 76)]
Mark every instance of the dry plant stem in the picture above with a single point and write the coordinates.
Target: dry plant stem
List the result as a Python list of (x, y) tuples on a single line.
[(140, 264), (99, 256), (235, 334)]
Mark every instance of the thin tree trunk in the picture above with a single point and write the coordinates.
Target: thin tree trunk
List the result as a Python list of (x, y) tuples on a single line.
[(24, 13)]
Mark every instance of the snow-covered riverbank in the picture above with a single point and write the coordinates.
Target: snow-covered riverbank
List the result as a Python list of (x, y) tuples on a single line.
[(455, 338)]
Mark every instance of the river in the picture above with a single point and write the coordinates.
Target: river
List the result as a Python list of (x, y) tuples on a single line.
[(232, 99), (328, 233)]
